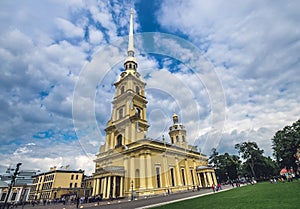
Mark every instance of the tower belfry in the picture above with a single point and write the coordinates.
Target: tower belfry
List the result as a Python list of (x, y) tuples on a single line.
[(128, 121)]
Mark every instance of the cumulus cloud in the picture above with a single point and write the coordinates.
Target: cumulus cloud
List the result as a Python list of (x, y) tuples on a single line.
[(43, 49), (253, 48), (248, 56)]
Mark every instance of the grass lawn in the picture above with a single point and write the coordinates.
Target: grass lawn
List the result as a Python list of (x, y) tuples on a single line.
[(261, 195)]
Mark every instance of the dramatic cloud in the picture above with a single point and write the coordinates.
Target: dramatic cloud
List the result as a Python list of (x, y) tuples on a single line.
[(253, 46), (59, 61)]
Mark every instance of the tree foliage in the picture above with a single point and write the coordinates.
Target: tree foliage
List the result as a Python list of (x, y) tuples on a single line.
[(227, 166), (285, 144), (251, 153)]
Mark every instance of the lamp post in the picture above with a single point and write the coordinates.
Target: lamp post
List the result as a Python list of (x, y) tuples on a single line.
[(12, 183)]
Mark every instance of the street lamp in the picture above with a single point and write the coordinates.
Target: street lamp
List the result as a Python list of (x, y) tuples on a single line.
[(12, 183)]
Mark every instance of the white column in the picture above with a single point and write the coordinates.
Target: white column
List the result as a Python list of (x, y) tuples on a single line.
[(177, 171), (132, 169), (114, 186), (149, 172), (121, 186), (167, 183), (104, 187), (108, 187), (142, 172), (205, 179), (199, 179), (94, 187), (187, 173), (97, 187), (209, 178)]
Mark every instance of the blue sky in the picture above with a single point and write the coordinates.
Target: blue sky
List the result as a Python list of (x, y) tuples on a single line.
[(244, 85)]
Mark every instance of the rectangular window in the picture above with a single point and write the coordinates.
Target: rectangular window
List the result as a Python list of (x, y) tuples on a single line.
[(172, 176), (75, 185), (120, 113), (183, 177), (158, 177), (13, 197), (72, 177), (71, 185), (3, 196), (77, 177), (192, 177)]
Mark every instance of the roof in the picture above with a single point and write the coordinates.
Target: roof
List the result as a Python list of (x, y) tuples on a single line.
[(202, 167), (59, 171)]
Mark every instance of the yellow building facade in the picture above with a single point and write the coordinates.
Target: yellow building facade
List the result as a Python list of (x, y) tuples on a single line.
[(132, 164), (56, 183)]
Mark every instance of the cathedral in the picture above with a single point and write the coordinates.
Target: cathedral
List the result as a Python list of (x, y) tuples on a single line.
[(130, 164)]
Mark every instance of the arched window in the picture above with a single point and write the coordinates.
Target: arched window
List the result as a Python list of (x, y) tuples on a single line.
[(130, 66), (183, 139), (177, 138), (122, 89), (137, 90), (138, 112), (119, 141)]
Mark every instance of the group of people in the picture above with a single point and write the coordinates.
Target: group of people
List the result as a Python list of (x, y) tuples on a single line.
[(217, 187), (287, 174)]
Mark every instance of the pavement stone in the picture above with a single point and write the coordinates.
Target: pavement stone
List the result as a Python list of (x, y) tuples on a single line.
[(140, 203)]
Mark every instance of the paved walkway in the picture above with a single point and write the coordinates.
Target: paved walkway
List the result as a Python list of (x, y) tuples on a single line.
[(140, 203)]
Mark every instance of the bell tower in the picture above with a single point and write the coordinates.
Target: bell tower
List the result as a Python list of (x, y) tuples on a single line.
[(177, 133), (128, 122)]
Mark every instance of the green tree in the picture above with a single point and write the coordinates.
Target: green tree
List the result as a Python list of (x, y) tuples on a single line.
[(251, 153), (285, 144), (226, 165), (264, 168)]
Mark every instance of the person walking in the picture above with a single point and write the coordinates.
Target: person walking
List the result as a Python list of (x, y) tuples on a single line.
[(213, 187), (77, 201)]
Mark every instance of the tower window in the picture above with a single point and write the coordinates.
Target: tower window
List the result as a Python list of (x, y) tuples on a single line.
[(122, 89), (138, 112), (137, 90), (177, 138), (119, 141), (120, 113), (183, 139), (130, 66)]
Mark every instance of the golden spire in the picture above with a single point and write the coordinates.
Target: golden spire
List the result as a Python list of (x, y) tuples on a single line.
[(131, 41)]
